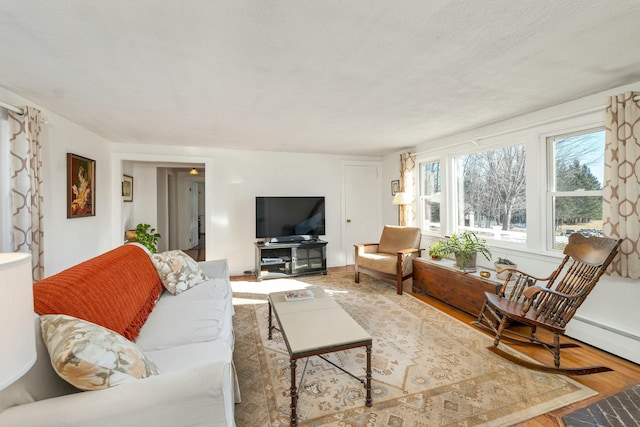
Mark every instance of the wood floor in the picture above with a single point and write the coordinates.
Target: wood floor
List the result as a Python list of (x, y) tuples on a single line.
[(625, 374)]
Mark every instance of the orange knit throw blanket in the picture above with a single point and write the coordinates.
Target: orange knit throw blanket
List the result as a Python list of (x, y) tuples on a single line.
[(117, 290)]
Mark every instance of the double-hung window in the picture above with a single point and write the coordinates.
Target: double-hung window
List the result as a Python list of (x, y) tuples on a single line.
[(491, 193), (430, 196), (576, 169)]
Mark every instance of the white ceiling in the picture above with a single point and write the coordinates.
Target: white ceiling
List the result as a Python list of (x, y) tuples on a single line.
[(332, 76)]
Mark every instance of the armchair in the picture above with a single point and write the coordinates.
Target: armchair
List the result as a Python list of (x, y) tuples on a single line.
[(391, 258), (548, 303)]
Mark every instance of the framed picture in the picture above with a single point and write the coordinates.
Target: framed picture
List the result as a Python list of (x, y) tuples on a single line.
[(395, 187), (81, 186), (127, 188)]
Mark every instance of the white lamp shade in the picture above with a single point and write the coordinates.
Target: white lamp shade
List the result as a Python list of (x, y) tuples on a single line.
[(17, 334), (402, 199)]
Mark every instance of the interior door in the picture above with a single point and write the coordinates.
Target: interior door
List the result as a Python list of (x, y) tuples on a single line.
[(362, 211)]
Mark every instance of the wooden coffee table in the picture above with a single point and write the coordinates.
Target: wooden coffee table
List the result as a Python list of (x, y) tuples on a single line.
[(313, 327)]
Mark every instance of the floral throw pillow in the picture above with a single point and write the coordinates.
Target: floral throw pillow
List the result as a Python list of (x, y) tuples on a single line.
[(178, 271), (91, 357)]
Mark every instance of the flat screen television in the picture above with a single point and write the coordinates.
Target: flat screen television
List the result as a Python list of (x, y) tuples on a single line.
[(289, 216)]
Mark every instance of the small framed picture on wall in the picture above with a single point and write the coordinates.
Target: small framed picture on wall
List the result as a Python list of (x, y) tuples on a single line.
[(127, 188), (395, 187), (81, 186)]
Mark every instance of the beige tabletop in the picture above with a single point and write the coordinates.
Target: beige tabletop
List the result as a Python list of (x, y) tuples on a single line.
[(315, 324)]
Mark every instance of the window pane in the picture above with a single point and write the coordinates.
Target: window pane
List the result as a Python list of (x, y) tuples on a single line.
[(491, 193), (576, 215), (578, 167), (579, 162), (430, 195)]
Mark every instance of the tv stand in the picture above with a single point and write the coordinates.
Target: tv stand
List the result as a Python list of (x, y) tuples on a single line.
[(288, 259)]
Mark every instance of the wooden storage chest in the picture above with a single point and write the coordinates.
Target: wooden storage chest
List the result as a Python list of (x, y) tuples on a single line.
[(447, 283)]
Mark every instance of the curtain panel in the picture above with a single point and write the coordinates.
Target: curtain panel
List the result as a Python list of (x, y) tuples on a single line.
[(26, 186), (407, 185), (621, 201)]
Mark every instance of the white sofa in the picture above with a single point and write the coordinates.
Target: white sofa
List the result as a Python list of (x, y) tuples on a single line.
[(188, 336)]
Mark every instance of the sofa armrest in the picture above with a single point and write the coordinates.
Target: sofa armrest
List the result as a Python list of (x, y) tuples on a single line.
[(215, 269), (193, 397)]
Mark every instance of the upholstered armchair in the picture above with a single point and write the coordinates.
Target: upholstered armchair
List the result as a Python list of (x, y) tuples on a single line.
[(391, 258)]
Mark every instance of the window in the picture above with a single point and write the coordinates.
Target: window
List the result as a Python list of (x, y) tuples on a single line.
[(430, 196), (491, 193), (575, 184)]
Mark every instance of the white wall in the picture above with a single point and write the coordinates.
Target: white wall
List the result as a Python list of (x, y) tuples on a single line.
[(232, 180), (145, 190), (70, 241), (609, 318), (390, 172)]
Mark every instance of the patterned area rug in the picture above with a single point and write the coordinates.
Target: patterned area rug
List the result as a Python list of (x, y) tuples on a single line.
[(619, 410), (429, 369)]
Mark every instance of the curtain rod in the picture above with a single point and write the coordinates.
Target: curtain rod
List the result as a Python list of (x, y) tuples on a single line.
[(11, 108)]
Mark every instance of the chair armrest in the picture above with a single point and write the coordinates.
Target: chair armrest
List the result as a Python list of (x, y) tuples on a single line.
[(530, 276), (533, 291), (517, 282), (410, 251), (166, 400), (362, 248)]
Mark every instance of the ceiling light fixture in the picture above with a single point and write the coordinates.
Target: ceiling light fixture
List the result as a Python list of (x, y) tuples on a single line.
[(193, 171)]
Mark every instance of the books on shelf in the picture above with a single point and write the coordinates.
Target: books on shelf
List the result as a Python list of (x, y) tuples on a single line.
[(299, 294)]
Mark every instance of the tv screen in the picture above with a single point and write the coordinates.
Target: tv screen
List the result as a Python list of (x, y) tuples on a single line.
[(289, 216)]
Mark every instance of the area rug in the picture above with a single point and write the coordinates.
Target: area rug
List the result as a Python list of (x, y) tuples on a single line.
[(429, 369), (620, 410)]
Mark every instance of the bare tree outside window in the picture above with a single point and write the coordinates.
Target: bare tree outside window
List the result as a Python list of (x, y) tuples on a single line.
[(492, 193)]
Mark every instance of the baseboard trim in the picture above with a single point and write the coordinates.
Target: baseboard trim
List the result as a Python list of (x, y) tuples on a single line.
[(619, 343)]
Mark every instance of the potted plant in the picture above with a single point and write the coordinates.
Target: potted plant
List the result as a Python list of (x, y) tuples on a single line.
[(465, 247), (501, 265), (438, 250), (147, 237)]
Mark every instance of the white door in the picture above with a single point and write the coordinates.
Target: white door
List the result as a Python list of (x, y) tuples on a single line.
[(362, 211), (193, 226)]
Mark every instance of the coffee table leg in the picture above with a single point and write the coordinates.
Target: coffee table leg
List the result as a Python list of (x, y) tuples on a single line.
[(270, 327), (294, 394), (368, 402)]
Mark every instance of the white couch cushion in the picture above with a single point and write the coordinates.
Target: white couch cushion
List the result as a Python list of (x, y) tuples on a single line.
[(190, 355), (182, 322)]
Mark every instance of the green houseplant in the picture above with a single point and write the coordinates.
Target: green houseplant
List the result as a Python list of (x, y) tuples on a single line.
[(438, 250), (465, 247), (147, 237)]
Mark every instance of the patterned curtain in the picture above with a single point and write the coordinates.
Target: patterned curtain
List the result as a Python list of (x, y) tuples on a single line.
[(407, 185), (26, 186), (621, 201)]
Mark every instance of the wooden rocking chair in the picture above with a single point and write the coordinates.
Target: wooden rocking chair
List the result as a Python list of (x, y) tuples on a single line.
[(522, 300)]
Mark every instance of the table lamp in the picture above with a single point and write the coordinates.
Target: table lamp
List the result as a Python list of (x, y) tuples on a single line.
[(17, 334), (402, 199)]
